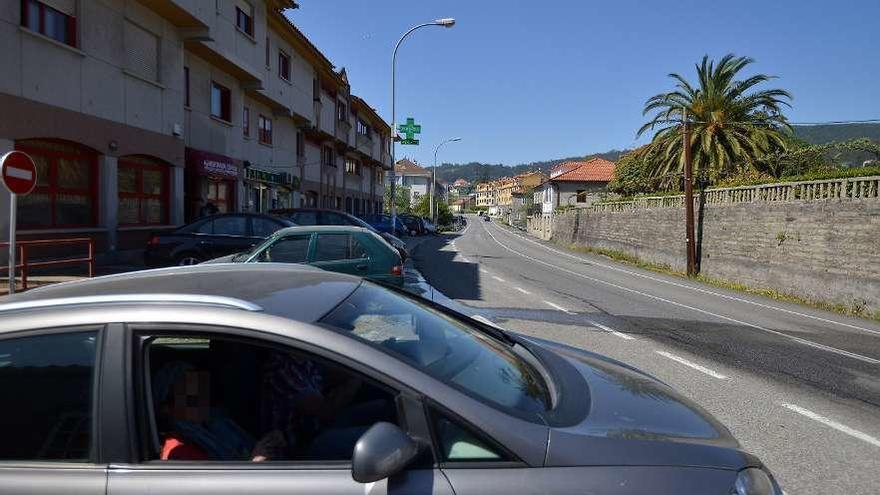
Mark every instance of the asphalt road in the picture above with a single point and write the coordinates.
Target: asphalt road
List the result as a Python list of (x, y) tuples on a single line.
[(798, 387)]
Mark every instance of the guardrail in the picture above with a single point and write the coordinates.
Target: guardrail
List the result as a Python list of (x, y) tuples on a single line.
[(23, 265), (813, 190)]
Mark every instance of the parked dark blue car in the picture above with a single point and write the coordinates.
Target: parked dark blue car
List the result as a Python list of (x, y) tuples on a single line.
[(382, 223)]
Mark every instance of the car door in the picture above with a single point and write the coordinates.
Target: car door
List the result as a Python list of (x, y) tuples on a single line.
[(340, 252), (243, 380), (49, 381), (292, 248), (230, 236)]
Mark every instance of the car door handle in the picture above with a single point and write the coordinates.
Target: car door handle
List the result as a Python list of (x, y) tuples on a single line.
[(361, 267)]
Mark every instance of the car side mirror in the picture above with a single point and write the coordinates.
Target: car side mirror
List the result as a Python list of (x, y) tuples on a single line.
[(381, 452)]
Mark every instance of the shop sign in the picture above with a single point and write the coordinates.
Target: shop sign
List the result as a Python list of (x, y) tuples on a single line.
[(212, 164), (267, 177)]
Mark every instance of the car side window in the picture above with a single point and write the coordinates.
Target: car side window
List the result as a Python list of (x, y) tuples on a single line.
[(357, 250), (305, 218), (458, 443), (264, 227), (204, 227), (332, 247), (290, 249), (47, 384), (232, 225), (213, 398)]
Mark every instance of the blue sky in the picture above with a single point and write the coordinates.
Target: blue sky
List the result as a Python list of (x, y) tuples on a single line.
[(524, 81)]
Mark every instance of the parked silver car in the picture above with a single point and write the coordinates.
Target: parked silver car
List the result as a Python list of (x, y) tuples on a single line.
[(284, 379)]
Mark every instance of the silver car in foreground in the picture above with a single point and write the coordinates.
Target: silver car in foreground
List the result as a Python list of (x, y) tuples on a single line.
[(283, 379)]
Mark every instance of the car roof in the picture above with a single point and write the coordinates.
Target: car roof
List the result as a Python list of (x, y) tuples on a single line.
[(302, 229), (297, 292)]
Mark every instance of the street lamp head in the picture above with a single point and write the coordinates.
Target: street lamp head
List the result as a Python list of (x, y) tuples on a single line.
[(445, 22), (455, 139)]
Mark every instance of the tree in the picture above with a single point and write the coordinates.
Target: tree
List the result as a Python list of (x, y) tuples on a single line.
[(402, 200), (733, 125), (633, 173), (422, 209)]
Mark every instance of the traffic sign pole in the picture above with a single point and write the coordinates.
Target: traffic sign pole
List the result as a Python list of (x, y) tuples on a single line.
[(19, 176), (12, 216)]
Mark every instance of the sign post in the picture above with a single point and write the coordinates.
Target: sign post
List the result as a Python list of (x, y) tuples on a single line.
[(19, 176)]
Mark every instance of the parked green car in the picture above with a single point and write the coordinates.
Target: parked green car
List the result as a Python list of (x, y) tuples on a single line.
[(335, 248)]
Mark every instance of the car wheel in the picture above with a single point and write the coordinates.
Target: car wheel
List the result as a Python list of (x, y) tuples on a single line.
[(187, 259)]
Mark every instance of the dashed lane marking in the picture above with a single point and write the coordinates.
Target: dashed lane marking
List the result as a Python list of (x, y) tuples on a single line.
[(701, 369), (833, 424)]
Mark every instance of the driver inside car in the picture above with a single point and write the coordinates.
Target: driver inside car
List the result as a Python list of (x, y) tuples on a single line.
[(192, 429)]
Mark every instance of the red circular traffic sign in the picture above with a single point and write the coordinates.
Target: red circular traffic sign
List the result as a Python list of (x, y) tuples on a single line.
[(19, 172)]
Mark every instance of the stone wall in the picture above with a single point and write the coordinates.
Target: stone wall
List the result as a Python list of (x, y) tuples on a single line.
[(826, 250)]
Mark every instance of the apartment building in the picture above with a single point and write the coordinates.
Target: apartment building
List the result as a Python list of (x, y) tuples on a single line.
[(139, 112), (485, 194)]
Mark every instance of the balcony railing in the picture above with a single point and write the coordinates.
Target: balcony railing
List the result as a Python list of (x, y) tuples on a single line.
[(813, 190)]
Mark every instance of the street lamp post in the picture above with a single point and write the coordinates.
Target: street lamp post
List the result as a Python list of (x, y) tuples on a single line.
[(434, 176), (445, 22)]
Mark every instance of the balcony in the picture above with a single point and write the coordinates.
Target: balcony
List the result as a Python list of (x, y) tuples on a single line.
[(189, 14), (364, 144), (343, 128)]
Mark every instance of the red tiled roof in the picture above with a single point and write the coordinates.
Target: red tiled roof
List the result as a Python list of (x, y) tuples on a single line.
[(595, 170), (406, 167), (563, 168)]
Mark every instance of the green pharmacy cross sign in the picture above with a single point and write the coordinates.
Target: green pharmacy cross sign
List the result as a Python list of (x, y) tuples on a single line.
[(410, 129)]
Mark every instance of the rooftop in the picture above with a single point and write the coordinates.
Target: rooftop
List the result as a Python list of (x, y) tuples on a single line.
[(407, 167), (595, 170)]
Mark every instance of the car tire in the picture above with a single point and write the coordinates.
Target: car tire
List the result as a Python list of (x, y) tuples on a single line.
[(187, 259)]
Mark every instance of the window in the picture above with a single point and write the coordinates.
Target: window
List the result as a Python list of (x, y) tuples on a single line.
[(352, 166), (458, 443), (341, 112), (246, 122), (141, 51), (220, 102), (60, 25), (292, 249), (477, 363), (186, 86), (263, 227), (244, 19), (316, 89), (284, 65), (265, 128), (216, 399), (300, 144), (47, 384), (306, 217), (66, 190), (268, 62), (362, 128), (232, 225), (327, 157), (143, 191), (335, 247), (581, 196)]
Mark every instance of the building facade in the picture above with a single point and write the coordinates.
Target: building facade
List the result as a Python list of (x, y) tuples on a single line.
[(140, 113), (417, 179), (574, 184)]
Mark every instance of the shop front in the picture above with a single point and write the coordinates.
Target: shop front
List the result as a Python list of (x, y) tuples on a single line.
[(210, 183), (268, 190)]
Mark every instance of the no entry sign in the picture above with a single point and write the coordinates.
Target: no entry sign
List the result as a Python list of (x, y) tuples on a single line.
[(19, 172)]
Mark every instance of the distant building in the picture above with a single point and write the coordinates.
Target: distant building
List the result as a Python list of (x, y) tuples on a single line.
[(575, 184)]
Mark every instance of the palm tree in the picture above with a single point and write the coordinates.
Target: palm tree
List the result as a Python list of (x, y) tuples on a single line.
[(732, 124)]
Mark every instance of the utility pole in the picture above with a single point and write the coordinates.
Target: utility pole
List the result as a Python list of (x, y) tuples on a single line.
[(689, 197)]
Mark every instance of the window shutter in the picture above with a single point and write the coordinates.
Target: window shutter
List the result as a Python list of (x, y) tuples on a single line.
[(67, 7), (141, 51)]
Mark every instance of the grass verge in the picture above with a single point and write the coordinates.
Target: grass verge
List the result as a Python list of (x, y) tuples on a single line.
[(855, 308)]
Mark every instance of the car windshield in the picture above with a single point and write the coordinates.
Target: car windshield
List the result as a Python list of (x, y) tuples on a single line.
[(470, 360)]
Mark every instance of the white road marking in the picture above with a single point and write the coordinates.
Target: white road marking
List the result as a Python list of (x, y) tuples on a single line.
[(560, 308), (799, 340), (697, 289), (483, 270), (499, 279), (701, 369), (833, 424), (612, 331), (522, 290)]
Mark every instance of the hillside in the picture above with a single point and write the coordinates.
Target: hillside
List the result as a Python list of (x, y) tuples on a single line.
[(481, 172), (822, 134)]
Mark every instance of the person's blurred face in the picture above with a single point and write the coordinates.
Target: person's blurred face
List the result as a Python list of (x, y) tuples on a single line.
[(192, 397)]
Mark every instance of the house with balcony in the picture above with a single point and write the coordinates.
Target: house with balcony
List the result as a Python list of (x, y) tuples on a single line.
[(151, 108), (410, 175)]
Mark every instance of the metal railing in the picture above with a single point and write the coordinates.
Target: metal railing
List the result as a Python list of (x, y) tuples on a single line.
[(813, 190), (24, 265)]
